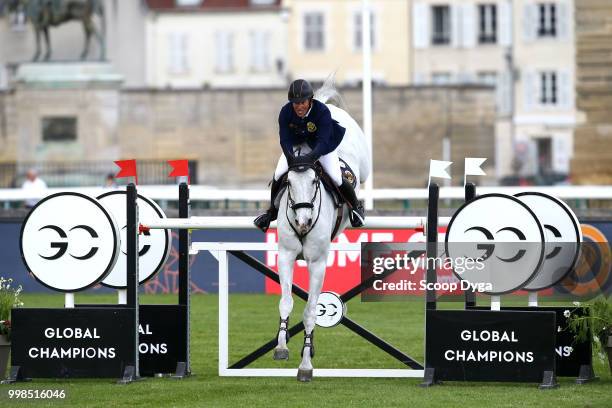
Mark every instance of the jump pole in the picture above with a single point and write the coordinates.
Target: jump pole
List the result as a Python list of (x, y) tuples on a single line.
[(203, 223)]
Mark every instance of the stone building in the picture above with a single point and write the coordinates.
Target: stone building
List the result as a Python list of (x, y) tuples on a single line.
[(325, 36), (233, 134), (592, 162), (215, 43), (523, 47), (186, 79)]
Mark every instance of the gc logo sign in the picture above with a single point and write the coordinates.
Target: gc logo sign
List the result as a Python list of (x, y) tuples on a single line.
[(330, 309), (530, 241), (505, 234), (62, 246), (69, 242), (154, 246)]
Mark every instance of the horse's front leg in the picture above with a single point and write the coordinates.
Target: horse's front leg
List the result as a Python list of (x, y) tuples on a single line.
[(316, 269), (47, 43), (286, 262), (37, 53)]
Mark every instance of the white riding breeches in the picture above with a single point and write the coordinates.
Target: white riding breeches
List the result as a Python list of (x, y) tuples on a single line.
[(329, 162)]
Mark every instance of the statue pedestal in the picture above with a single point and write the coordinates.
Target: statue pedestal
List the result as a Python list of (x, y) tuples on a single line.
[(68, 75), (68, 111)]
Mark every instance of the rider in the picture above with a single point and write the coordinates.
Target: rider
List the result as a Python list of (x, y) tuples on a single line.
[(307, 120)]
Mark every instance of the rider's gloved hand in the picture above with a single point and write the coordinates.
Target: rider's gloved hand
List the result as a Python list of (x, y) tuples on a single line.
[(303, 159)]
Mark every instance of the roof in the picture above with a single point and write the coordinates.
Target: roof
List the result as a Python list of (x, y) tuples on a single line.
[(211, 5)]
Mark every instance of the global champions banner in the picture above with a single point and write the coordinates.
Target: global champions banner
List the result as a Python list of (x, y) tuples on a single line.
[(343, 267)]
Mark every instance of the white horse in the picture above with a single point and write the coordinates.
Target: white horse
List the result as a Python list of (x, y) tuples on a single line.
[(306, 219)]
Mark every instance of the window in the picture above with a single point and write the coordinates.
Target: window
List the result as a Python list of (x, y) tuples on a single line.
[(59, 129), (188, 3), (547, 19), (358, 30), (544, 152), (548, 88), (177, 53), (314, 36), (262, 2), (441, 78), (487, 26), (487, 78), (224, 51), (441, 25), (260, 51)]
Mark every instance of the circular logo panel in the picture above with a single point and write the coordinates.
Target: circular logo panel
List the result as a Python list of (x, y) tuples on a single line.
[(69, 242), (498, 241), (562, 238), (330, 309), (592, 275), (153, 246)]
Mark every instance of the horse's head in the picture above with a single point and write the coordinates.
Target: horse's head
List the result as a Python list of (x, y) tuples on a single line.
[(303, 189)]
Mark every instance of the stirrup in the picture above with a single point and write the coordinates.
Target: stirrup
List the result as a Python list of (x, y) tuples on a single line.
[(310, 344), (285, 329)]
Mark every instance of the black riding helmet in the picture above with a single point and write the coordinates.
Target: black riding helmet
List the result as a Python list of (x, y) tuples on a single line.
[(300, 90)]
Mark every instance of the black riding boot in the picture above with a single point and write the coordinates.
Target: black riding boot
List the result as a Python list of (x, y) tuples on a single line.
[(356, 213), (263, 221)]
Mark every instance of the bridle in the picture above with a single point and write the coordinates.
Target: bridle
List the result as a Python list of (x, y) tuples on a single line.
[(305, 204)]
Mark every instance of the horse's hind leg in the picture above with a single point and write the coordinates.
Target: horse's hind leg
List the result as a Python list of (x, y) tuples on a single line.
[(286, 261), (37, 53), (316, 271), (88, 28), (101, 41)]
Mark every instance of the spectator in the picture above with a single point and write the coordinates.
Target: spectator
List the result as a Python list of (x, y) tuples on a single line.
[(110, 182), (33, 185)]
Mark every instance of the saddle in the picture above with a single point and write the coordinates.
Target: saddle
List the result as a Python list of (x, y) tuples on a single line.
[(328, 184)]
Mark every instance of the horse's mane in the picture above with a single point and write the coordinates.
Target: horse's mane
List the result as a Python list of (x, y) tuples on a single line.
[(328, 93)]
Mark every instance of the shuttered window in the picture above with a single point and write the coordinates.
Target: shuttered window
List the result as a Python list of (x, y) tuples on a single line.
[(441, 25), (314, 34), (178, 53), (260, 51), (357, 19), (547, 20), (487, 23), (224, 51), (549, 88), (441, 78)]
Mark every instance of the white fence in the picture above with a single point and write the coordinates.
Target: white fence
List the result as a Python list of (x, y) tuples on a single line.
[(219, 251), (165, 194)]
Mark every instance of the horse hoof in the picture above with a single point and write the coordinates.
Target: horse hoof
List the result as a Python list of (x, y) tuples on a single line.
[(304, 375), (281, 354)]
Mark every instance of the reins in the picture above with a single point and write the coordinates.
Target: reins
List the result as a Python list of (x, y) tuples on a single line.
[(296, 206)]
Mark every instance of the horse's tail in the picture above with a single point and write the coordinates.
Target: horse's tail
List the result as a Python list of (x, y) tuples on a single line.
[(32, 10), (328, 93)]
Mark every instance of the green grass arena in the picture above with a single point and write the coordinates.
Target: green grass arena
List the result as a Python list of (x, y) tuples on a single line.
[(254, 321)]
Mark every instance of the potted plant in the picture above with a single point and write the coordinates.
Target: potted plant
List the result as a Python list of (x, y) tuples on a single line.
[(9, 298), (599, 323)]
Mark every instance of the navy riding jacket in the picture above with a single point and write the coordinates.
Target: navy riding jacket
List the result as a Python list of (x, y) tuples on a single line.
[(317, 129)]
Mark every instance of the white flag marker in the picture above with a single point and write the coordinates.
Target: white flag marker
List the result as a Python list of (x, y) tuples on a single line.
[(437, 168), (472, 167)]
